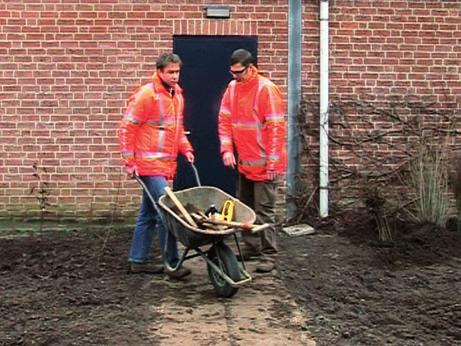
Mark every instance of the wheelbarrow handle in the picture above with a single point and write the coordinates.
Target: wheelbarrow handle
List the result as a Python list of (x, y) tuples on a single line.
[(144, 187), (197, 178), (146, 190)]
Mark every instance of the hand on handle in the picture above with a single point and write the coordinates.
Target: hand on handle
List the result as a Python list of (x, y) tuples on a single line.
[(190, 156)]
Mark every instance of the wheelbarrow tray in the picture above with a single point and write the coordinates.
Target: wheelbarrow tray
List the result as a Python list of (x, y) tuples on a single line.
[(201, 197)]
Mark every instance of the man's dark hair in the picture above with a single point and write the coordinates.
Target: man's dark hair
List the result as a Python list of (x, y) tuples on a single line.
[(241, 56), (168, 58)]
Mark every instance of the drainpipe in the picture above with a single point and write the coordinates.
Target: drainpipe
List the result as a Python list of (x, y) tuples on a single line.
[(294, 98), (323, 108)]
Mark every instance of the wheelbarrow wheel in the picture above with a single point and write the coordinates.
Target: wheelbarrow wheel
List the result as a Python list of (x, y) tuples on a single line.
[(223, 257)]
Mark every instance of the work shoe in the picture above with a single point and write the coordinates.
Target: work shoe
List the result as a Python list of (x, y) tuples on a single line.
[(265, 267), (247, 254), (180, 273), (147, 267)]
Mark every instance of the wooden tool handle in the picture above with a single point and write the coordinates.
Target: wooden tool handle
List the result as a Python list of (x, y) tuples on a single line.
[(202, 218), (257, 228), (181, 208), (246, 226), (231, 223)]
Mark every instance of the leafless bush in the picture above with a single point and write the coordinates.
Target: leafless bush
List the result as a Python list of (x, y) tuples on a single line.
[(376, 206), (373, 147), (41, 191), (455, 179)]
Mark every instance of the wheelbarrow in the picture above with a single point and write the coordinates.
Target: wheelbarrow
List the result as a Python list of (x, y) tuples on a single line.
[(226, 274)]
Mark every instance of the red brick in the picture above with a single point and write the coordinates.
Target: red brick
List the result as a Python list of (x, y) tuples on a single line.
[(68, 68)]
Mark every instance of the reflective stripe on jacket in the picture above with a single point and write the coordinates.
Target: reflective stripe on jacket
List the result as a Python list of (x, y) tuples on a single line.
[(151, 132), (252, 118)]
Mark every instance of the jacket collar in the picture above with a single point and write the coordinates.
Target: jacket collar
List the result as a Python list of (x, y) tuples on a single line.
[(161, 86), (250, 78)]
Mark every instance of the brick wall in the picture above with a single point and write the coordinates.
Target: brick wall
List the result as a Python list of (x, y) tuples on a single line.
[(67, 67), (397, 47), (394, 55), (66, 70)]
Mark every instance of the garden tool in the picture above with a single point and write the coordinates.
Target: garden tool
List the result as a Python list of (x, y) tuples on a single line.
[(245, 226), (179, 205), (228, 210)]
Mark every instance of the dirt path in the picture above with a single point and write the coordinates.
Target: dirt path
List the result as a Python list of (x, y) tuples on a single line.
[(72, 289), (262, 313)]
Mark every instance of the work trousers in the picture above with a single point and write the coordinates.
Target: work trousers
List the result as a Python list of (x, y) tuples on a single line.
[(149, 224), (260, 196)]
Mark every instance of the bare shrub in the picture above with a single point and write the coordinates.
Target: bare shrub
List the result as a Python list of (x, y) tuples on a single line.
[(376, 205), (373, 147), (41, 191), (454, 222)]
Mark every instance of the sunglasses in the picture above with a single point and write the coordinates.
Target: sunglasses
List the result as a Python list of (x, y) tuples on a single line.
[(238, 72)]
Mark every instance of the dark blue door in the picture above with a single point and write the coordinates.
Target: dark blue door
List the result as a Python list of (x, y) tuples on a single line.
[(204, 77)]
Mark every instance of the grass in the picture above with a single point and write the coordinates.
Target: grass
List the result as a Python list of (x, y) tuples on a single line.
[(429, 179)]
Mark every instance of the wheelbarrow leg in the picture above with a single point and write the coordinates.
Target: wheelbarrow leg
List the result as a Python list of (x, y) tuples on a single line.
[(239, 251), (166, 263)]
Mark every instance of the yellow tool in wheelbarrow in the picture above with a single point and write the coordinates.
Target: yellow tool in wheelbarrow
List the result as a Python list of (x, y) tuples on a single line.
[(227, 212)]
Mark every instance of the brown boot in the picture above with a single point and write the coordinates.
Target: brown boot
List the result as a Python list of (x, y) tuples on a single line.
[(266, 263), (147, 267), (265, 267), (180, 273)]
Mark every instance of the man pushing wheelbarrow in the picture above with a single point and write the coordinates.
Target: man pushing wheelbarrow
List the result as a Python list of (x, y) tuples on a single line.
[(183, 214), (151, 134)]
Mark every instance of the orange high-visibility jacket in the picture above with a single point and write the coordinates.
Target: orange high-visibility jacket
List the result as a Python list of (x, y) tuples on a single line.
[(253, 119), (151, 132)]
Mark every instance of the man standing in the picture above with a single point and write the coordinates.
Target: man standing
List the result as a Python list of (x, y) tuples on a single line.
[(252, 120), (151, 135)]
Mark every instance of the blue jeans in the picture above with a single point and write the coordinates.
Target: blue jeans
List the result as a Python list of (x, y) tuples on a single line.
[(148, 223)]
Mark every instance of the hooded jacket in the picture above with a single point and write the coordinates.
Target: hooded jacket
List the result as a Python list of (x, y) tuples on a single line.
[(151, 132), (252, 118)]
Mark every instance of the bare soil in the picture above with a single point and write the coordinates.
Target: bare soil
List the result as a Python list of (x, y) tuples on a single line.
[(358, 291), (72, 288)]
